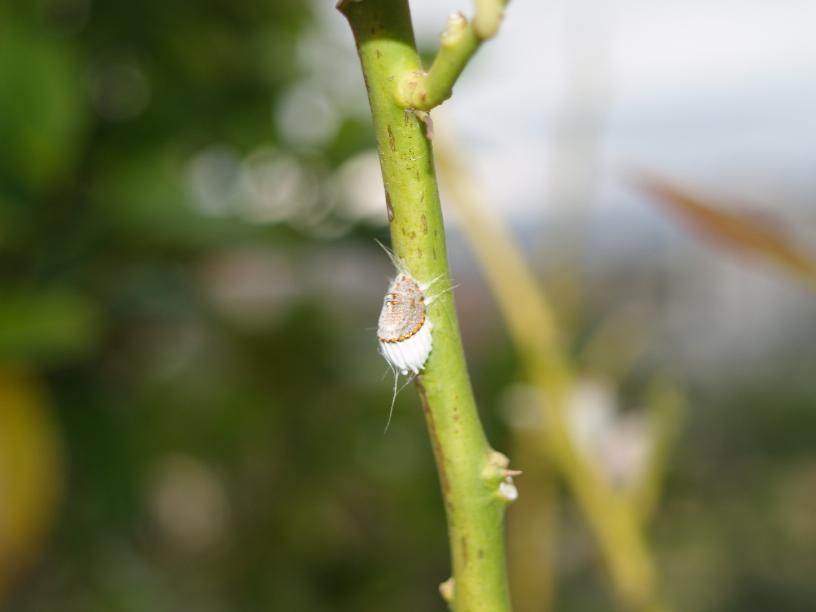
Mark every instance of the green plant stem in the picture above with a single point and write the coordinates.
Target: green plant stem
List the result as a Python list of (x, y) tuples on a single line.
[(469, 470)]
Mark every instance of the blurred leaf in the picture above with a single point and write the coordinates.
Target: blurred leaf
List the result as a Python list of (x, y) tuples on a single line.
[(733, 230), (42, 113), (147, 202), (143, 194), (46, 326), (31, 470)]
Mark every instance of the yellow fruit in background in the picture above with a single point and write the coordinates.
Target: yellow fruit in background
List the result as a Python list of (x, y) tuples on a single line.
[(31, 472)]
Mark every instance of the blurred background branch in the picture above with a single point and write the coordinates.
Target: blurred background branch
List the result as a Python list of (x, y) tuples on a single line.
[(615, 523)]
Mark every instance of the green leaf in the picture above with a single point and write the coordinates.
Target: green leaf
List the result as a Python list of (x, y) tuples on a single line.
[(42, 108), (47, 326)]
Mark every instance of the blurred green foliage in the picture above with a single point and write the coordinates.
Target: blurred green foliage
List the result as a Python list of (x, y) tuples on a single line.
[(105, 290)]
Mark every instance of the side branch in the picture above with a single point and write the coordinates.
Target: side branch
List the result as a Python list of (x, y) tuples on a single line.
[(422, 90)]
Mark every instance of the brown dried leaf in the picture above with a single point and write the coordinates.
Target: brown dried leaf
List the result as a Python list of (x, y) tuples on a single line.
[(740, 232)]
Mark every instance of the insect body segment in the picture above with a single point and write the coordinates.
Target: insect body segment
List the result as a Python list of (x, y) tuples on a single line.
[(404, 330)]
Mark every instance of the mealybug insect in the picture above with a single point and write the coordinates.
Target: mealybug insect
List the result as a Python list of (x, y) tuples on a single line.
[(404, 329)]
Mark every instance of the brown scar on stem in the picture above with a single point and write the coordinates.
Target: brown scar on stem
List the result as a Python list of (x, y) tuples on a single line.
[(388, 206), (437, 447), (426, 120), (391, 142)]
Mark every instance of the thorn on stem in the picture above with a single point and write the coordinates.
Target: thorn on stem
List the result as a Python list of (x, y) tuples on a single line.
[(498, 475), (498, 460), (446, 590), (343, 4)]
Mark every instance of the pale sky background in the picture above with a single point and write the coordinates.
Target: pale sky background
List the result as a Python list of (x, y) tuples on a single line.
[(693, 89), (698, 90)]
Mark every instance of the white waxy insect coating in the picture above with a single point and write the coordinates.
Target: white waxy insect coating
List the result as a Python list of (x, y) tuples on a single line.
[(404, 330), (508, 490)]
